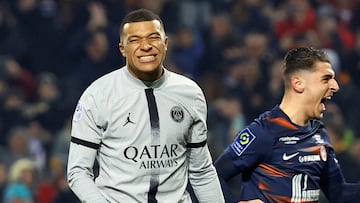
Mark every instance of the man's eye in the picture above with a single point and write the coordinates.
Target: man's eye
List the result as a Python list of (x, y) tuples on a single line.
[(133, 40), (154, 38)]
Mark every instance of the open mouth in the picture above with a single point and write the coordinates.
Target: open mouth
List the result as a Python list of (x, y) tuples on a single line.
[(324, 101)]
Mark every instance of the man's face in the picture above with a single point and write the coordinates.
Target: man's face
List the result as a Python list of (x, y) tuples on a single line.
[(320, 86), (144, 46)]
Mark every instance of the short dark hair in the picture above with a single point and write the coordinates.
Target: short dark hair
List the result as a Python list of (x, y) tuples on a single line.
[(139, 15), (302, 58)]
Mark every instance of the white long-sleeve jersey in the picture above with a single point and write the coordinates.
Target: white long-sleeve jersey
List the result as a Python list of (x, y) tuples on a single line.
[(148, 139)]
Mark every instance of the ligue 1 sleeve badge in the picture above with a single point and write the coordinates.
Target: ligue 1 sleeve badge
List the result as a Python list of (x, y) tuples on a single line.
[(242, 141), (78, 112)]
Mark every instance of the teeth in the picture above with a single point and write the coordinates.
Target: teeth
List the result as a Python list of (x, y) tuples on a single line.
[(146, 57)]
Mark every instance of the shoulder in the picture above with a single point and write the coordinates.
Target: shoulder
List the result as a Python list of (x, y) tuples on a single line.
[(262, 128), (182, 80), (182, 85)]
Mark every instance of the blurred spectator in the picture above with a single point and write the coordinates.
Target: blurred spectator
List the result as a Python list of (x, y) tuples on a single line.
[(355, 151), (355, 16), (3, 179), (352, 60), (345, 9), (37, 20), (39, 142), (246, 80), (50, 108), (226, 118), (12, 113), (275, 84), (45, 191), (17, 145), (187, 48), (257, 48), (331, 33), (12, 40), (18, 77), (212, 86), (295, 18), (97, 61), (61, 144), (21, 179), (342, 137), (195, 14), (251, 16), (53, 188), (90, 44), (222, 44)]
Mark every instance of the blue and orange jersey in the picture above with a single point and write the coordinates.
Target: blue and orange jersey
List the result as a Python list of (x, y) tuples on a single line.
[(282, 162)]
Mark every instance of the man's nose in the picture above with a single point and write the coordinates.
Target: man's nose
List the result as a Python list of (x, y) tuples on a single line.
[(145, 44), (335, 86)]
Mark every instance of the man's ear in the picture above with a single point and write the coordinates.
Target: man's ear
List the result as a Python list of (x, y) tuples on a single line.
[(122, 49), (166, 42), (298, 84)]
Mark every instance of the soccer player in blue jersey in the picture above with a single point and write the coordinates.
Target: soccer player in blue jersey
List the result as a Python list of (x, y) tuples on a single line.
[(285, 154), (145, 125)]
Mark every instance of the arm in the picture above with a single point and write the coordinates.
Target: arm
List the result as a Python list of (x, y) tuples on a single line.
[(203, 177), (202, 173), (333, 183), (226, 170), (80, 174), (85, 140), (248, 148)]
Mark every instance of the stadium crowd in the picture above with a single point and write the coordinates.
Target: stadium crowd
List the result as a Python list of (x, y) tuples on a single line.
[(50, 50)]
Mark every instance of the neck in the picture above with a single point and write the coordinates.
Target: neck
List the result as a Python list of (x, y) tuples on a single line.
[(294, 110), (147, 76)]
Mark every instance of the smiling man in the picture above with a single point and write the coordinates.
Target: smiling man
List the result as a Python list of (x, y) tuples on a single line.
[(285, 155), (145, 125)]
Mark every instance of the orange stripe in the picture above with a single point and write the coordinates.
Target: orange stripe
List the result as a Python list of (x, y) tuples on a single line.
[(273, 171), (283, 122), (262, 186), (314, 149)]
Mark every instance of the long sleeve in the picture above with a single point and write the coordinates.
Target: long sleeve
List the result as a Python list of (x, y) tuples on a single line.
[(334, 185), (203, 176), (85, 142), (226, 171), (80, 174), (202, 173)]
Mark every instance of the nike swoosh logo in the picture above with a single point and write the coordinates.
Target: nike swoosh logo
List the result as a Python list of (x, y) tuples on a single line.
[(288, 157)]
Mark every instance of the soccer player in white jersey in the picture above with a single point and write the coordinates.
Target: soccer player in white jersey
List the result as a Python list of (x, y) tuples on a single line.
[(145, 126)]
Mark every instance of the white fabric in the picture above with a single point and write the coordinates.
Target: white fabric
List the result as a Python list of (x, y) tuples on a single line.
[(128, 156)]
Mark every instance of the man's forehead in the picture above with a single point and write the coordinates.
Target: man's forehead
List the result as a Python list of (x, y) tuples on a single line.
[(324, 67), (154, 25)]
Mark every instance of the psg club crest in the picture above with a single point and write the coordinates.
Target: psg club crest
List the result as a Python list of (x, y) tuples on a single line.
[(177, 114)]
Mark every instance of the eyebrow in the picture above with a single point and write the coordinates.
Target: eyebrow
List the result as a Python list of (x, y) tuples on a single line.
[(328, 76), (138, 36)]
